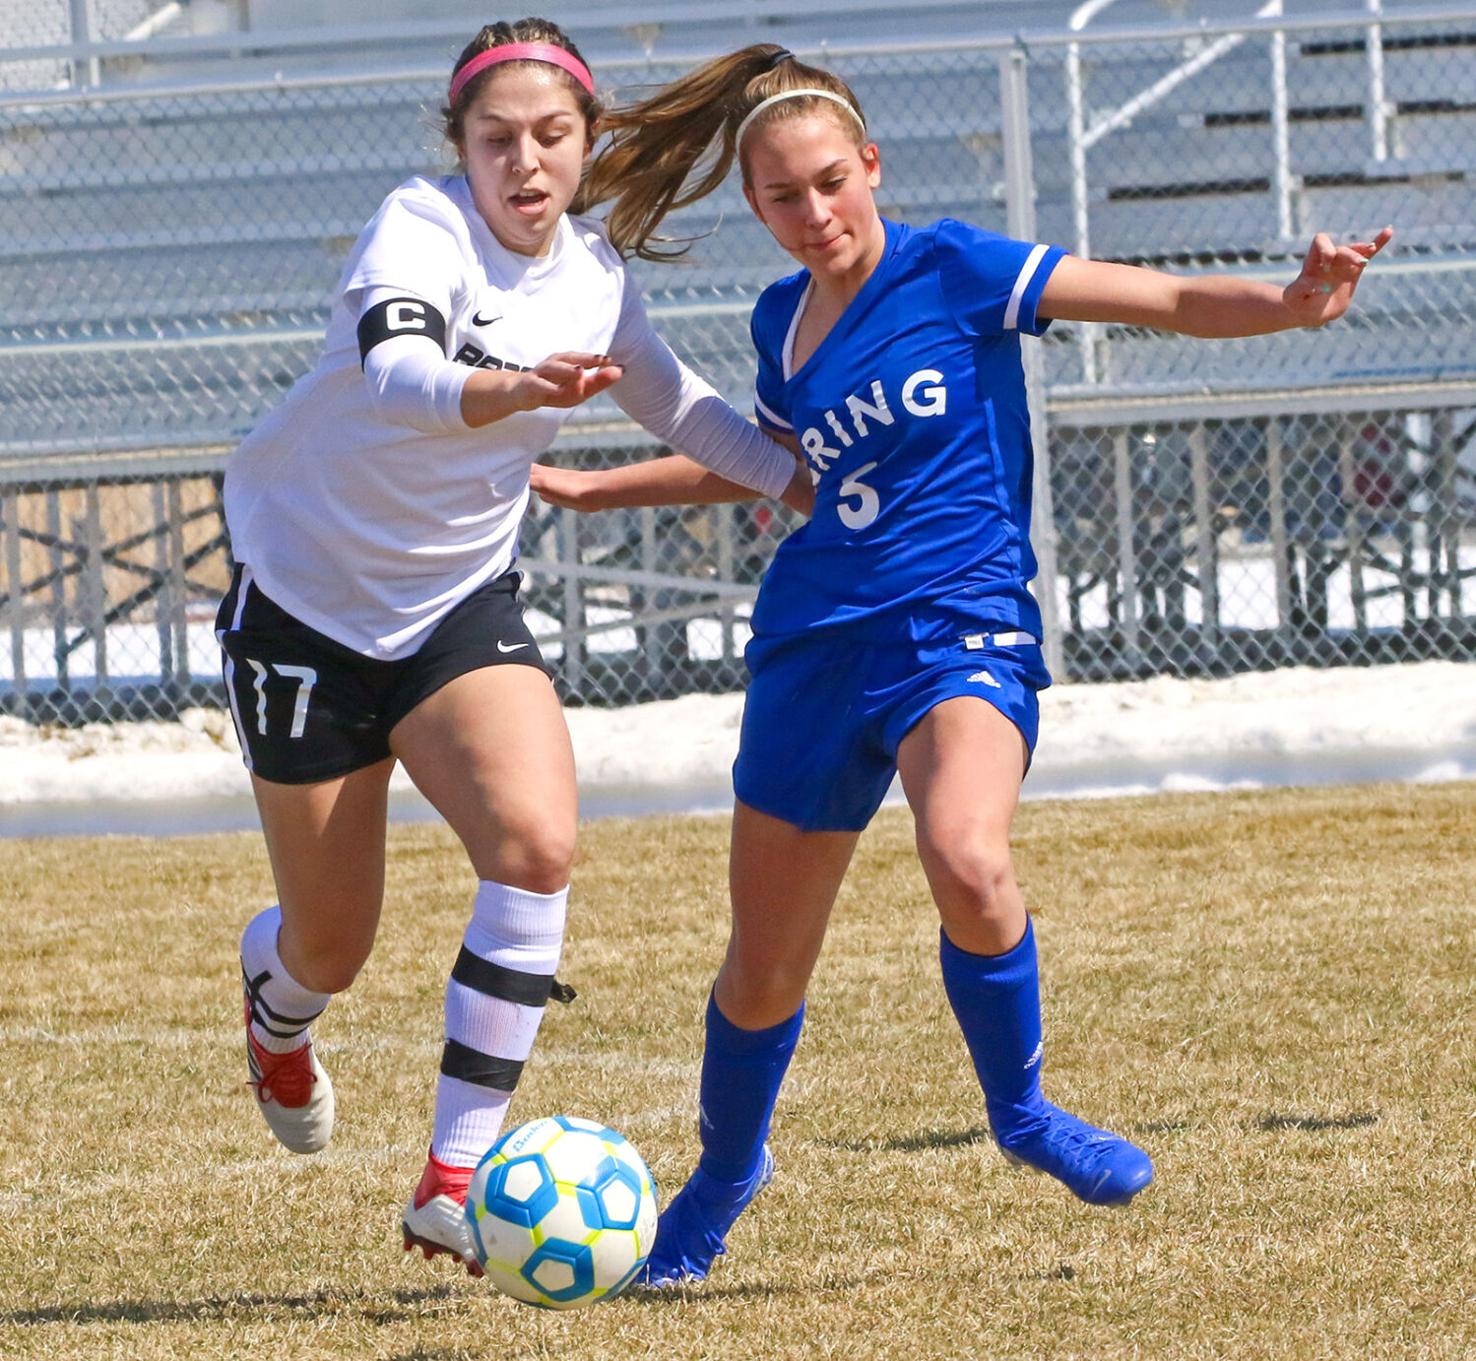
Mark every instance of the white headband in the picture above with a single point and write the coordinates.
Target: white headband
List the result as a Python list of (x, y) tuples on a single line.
[(797, 94)]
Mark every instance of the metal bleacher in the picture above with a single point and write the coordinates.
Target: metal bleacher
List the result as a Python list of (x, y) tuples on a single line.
[(197, 229), (180, 183)]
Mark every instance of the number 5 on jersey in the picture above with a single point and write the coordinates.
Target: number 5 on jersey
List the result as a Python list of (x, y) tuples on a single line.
[(305, 677), (860, 512)]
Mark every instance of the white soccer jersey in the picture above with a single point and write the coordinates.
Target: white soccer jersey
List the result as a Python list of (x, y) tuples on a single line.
[(370, 529)]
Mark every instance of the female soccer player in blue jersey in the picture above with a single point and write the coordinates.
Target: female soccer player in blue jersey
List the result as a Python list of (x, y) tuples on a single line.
[(895, 631)]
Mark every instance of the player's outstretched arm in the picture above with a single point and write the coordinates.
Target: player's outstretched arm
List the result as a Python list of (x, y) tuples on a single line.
[(562, 380), (1211, 306), (675, 480)]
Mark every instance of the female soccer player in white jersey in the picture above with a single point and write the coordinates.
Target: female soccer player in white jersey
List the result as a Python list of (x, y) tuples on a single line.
[(895, 630), (374, 614)]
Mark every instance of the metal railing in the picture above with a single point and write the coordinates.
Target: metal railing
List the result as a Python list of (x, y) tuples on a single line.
[(168, 251)]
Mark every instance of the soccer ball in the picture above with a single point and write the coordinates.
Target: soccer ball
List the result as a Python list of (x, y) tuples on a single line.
[(562, 1212)]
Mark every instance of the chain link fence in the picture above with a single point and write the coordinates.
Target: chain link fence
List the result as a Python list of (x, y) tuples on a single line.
[(167, 255), (1317, 538), (62, 23)]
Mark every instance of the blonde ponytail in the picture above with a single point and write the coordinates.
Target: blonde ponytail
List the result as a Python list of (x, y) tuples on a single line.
[(676, 147)]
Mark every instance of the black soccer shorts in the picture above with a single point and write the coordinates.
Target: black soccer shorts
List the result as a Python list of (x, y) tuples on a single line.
[(308, 708)]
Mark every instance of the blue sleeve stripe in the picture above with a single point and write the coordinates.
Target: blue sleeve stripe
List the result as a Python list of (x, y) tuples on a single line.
[(1022, 282), (778, 422)]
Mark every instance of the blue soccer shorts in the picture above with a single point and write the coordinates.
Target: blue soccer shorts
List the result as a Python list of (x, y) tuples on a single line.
[(825, 715)]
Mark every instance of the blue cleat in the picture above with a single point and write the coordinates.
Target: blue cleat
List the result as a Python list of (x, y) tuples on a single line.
[(690, 1233), (1100, 1168)]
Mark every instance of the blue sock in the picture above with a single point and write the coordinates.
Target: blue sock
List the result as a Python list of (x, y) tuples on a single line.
[(996, 999), (741, 1074)]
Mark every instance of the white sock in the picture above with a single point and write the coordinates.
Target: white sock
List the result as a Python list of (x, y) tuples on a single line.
[(281, 1008), (495, 1001)]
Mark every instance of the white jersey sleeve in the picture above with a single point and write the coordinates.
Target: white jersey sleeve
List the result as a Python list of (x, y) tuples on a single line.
[(685, 411), (414, 244), (403, 283), (411, 381)]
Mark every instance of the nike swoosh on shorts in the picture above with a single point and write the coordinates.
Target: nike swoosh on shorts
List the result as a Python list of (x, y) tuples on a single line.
[(503, 647)]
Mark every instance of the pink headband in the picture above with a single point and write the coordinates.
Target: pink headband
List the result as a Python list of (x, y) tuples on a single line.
[(554, 56)]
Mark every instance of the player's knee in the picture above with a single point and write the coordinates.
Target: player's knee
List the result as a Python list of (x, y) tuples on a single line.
[(759, 993), (329, 965), (537, 859), (547, 875), (325, 943), (974, 875), (337, 975)]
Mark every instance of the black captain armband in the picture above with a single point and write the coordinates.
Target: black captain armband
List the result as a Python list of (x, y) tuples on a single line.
[(395, 317)]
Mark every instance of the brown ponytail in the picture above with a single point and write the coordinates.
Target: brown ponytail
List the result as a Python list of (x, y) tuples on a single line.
[(686, 129)]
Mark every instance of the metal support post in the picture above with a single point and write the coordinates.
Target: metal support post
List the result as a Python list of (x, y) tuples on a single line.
[(1020, 220), (1206, 547), (1281, 138), (650, 634), (573, 602), (1280, 540), (164, 594), (1127, 548), (179, 586), (726, 569), (15, 597), (1353, 530), (1445, 576), (86, 73), (1378, 107), (1086, 336), (58, 591), (95, 591)]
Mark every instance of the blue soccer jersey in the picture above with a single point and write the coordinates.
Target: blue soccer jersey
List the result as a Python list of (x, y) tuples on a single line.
[(912, 417)]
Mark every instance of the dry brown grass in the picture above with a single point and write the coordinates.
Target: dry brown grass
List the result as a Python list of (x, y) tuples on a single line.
[(1273, 992)]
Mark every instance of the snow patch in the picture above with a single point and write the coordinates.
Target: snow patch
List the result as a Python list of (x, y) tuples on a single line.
[(1297, 726)]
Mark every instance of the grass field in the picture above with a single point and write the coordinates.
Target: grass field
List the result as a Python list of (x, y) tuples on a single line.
[(1275, 993)]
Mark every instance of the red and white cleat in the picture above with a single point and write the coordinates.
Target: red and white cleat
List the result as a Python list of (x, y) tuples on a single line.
[(435, 1219), (292, 1093)]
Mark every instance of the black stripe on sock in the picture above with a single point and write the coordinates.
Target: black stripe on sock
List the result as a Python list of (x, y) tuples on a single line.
[(261, 1013), (273, 1031), (495, 980), (483, 1070)]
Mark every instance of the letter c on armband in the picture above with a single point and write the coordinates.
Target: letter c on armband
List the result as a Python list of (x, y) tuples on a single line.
[(396, 317)]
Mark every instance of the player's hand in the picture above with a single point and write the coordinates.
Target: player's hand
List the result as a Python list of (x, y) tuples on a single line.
[(567, 379), (566, 487), (1322, 291)]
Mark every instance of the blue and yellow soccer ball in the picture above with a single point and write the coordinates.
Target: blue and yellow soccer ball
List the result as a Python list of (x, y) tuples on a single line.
[(562, 1212)]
